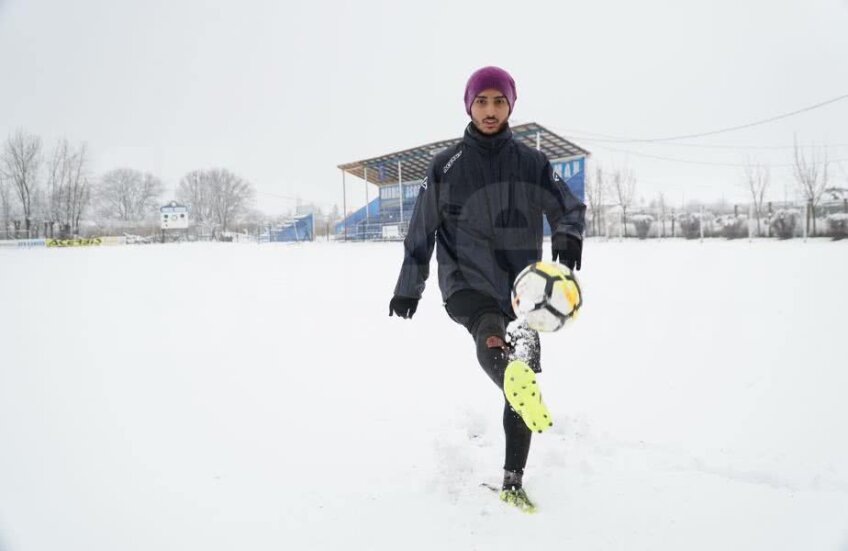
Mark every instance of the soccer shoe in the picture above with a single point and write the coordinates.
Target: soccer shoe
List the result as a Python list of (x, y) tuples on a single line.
[(517, 497), (524, 396)]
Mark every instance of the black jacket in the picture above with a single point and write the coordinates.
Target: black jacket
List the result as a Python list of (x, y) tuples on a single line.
[(483, 201)]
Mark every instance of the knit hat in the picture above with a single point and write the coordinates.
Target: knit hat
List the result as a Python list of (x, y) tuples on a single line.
[(490, 77)]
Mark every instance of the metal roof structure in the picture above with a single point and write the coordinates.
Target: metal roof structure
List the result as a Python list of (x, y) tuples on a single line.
[(383, 170)]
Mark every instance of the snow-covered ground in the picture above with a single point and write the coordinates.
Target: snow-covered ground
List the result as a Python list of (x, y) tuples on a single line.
[(234, 396)]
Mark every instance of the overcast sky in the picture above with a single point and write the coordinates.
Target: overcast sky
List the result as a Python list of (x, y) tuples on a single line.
[(283, 92)]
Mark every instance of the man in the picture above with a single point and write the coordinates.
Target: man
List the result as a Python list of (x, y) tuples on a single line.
[(482, 201)]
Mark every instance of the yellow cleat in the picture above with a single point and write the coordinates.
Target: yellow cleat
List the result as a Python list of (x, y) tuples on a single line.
[(524, 396), (517, 497)]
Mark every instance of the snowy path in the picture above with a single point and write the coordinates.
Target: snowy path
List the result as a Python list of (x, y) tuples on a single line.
[(223, 396)]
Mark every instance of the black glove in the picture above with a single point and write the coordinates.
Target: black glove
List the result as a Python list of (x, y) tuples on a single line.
[(568, 249), (403, 307)]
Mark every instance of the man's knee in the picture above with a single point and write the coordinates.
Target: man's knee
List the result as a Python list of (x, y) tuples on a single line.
[(492, 351)]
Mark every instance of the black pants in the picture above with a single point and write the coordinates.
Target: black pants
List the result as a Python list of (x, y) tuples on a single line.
[(487, 324)]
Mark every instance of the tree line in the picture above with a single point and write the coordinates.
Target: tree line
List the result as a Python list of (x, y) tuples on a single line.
[(51, 192), (616, 188)]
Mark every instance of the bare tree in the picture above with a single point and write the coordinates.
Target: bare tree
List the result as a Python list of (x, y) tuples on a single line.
[(233, 195), (757, 179), (68, 186), (128, 195), (216, 196), (596, 189), (811, 177), (55, 184), (20, 163), (196, 190), (5, 205), (623, 190), (79, 189)]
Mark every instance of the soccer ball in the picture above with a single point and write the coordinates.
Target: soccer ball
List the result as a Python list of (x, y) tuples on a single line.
[(546, 295)]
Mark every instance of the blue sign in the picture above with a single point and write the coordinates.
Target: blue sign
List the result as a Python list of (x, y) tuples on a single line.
[(572, 172)]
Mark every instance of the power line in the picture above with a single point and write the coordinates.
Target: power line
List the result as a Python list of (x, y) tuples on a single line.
[(697, 162), (721, 130), (709, 146), (293, 198)]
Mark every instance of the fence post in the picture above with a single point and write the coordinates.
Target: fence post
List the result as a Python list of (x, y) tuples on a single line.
[(806, 222), (768, 224), (750, 221), (659, 226), (808, 217)]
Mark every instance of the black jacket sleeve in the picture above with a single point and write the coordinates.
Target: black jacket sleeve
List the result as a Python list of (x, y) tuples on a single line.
[(564, 210), (420, 239)]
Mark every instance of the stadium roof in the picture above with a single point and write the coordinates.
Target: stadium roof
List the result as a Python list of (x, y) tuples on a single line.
[(383, 170)]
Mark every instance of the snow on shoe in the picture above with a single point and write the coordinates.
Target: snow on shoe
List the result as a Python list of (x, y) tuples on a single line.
[(517, 497)]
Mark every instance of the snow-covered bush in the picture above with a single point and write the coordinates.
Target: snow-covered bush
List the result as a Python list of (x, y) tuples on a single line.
[(732, 227), (783, 223), (642, 222), (837, 225), (690, 224)]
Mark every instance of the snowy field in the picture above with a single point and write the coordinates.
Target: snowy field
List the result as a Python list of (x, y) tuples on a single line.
[(258, 397)]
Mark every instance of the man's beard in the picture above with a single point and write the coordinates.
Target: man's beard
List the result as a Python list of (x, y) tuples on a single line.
[(490, 130)]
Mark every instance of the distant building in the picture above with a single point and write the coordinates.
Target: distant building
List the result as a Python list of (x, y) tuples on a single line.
[(173, 216)]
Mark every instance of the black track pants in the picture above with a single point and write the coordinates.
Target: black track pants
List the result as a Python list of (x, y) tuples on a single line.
[(487, 325)]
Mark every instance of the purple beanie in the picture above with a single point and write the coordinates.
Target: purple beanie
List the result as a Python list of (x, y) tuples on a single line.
[(490, 77)]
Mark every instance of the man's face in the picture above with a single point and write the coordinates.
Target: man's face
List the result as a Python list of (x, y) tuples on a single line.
[(489, 111)]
